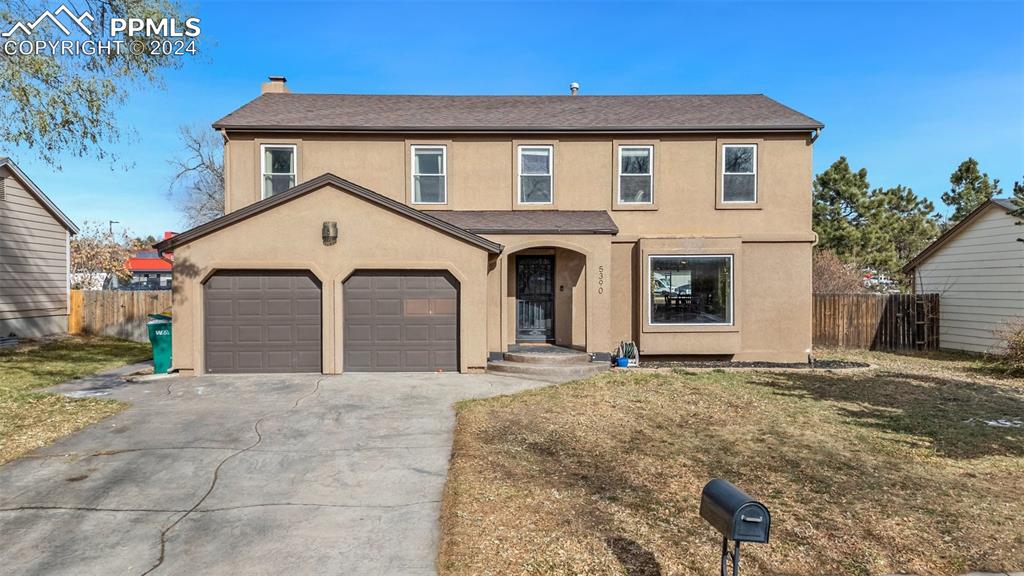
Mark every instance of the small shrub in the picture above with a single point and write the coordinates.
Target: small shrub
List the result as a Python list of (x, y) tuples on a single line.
[(833, 276), (1013, 354)]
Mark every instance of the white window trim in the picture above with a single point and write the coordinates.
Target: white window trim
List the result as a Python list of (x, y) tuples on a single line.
[(412, 170), (754, 173), (650, 149), (519, 172), (732, 293), (263, 165)]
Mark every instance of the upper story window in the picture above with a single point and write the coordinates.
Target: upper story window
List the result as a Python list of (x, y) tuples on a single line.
[(739, 173), (277, 168), (535, 182), (636, 174), (429, 175)]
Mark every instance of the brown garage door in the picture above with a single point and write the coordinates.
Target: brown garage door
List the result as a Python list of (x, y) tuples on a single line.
[(401, 322), (262, 321)]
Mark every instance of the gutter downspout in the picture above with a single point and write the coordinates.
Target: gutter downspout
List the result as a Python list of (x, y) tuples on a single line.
[(815, 134)]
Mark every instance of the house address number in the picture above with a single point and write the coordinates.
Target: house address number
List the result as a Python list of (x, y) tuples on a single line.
[(600, 279)]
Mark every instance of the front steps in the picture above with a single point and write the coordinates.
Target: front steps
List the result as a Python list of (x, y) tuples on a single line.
[(548, 363)]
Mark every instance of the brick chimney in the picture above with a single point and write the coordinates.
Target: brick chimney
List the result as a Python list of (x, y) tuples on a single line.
[(275, 85)]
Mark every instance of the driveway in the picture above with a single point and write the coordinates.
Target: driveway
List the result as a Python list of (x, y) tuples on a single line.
[(253, 474)]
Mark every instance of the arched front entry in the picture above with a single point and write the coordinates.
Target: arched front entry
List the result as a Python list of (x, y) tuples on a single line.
[(547, 296)]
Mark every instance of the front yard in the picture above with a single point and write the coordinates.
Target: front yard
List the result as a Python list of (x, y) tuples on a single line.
[(876, 471), (29, 419)]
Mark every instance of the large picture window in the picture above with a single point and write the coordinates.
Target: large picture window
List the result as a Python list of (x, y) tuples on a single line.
[(429, 175), (690, 289), (739, 173), (535, 174), (636, 174), (278, 168)]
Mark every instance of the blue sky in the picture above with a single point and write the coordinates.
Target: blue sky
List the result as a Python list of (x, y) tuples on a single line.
[(906, 90)]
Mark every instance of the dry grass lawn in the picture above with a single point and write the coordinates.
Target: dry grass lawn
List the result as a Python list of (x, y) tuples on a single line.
[(29, 419), (886, 470)]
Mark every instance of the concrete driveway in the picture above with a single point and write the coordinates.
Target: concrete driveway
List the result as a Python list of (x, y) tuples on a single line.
[(255, 474)]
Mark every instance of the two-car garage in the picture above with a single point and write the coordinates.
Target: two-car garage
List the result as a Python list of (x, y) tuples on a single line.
[(271, 321)]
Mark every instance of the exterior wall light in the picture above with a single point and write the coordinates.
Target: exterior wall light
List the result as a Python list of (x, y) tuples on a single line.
[(330, 233)]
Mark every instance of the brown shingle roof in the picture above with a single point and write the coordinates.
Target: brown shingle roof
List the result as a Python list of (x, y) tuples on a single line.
[(168, 244), (358, 112), (531, 221)]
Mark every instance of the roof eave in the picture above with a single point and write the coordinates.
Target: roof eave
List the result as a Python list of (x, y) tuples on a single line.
[(796, 128), (251, 210), (945, 236), (47, 203)]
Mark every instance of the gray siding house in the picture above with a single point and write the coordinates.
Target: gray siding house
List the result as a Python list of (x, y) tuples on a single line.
[(34, 258), (977, 268)]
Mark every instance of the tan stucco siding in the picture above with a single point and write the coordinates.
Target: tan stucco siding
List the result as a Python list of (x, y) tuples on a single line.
[(777, 305), (33, 256), (289, 237), (482, 175), (979, 276), (604, 296)]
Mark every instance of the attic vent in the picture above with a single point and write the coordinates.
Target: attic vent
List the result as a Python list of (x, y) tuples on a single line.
[(3, 187)]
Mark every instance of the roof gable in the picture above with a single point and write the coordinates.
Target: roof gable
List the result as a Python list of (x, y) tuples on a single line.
[(407, 113), (43, 199), (316, 184), (1003, 204)]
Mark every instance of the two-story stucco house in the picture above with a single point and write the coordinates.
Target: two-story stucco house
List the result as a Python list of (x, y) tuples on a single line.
[(367, 232)]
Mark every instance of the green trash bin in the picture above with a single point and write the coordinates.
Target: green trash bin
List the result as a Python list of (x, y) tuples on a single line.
[(160, 337)]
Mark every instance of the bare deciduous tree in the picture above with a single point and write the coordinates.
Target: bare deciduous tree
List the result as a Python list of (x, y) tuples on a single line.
[(98, 256), (833, 276), (198, 183)]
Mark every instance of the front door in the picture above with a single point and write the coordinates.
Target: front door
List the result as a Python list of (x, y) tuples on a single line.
[(535, 298)]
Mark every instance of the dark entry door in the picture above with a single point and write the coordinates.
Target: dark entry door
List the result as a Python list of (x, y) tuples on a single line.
[(399, 321), (535, 298)]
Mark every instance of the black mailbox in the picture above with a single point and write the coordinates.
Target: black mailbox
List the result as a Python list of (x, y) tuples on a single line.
[(737, 516), (734, 513)]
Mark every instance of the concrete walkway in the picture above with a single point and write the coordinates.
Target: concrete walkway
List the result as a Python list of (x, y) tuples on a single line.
[(267, 474)]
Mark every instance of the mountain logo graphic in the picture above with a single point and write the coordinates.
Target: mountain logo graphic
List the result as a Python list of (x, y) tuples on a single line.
[(27, 28)]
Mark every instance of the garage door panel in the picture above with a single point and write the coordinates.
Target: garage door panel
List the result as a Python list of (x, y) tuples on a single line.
[(279, 306), (388, 334), (445, 333), (391, 320), (445, 358), (280, 335), (253, 322), (419, 334), (246, 335)]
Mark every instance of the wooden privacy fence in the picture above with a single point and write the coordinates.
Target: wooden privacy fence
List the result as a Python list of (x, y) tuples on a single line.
[(115, 313), (896, 322)]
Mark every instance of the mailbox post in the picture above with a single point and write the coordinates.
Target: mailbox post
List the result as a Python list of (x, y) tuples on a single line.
[(737, 516)]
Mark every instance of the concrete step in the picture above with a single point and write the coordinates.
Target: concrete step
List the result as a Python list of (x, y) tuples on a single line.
[(552, 358), (566, 371)]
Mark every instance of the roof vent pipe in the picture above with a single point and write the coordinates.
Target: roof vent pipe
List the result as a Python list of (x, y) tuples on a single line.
[(574, 88)]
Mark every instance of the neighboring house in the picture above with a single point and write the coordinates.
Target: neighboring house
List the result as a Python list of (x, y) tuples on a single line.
[(977, 268), (34, 258), (150, 270), (372, 233)]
